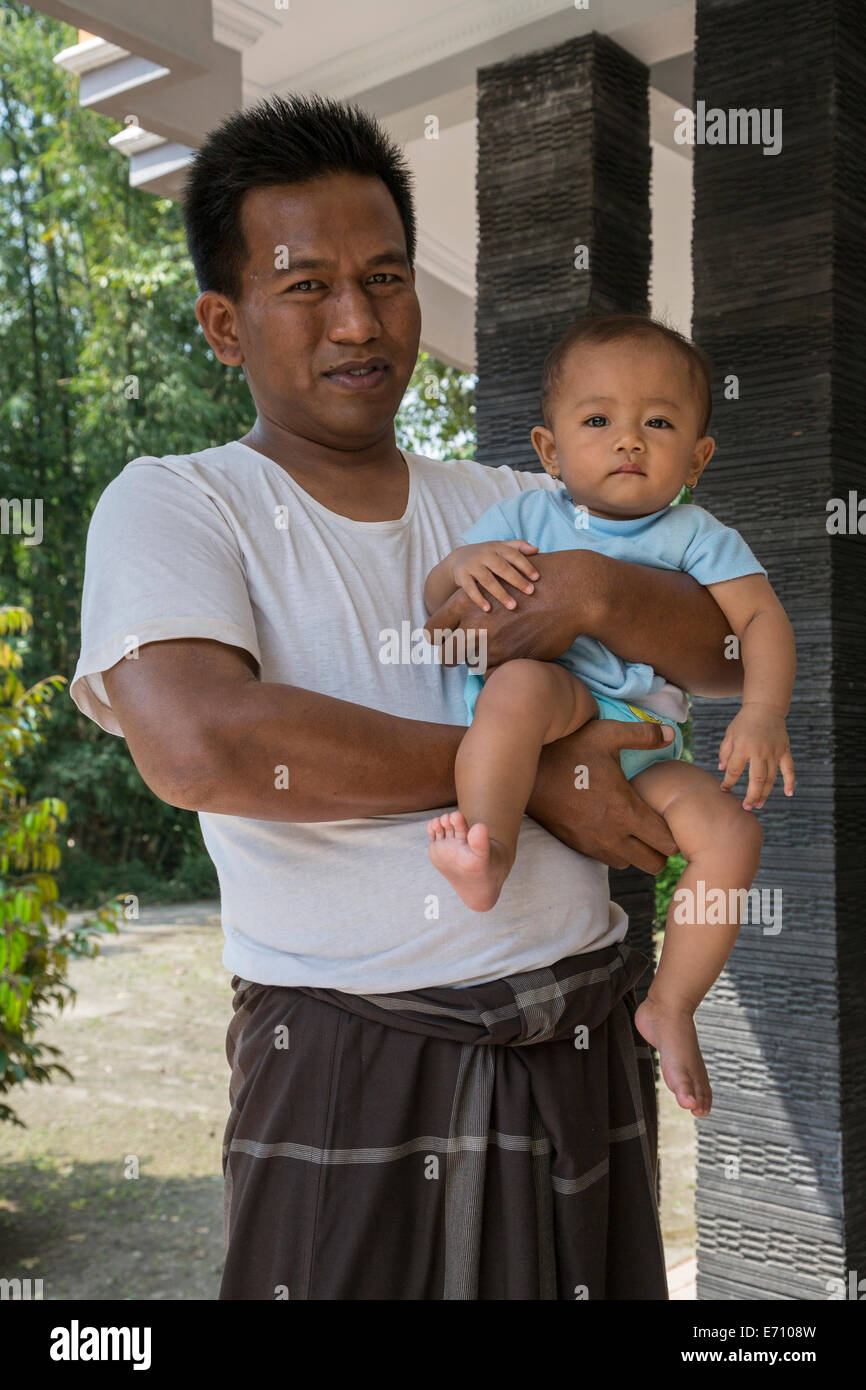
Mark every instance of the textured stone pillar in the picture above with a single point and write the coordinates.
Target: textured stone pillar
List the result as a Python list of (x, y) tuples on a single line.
[(563, 162), (779, 301)]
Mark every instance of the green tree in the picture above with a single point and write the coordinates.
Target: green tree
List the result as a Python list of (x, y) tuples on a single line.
[(36, 945), (101, 361), (437, 415)]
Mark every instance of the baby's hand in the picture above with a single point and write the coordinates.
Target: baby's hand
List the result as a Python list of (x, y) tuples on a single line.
[(480, 564), (757, 736)]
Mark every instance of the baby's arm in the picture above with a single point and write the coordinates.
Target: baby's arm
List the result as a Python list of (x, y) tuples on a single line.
[(471, 567), (757, 735)]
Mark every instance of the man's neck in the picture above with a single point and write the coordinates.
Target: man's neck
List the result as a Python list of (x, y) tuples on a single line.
[(370, 484)]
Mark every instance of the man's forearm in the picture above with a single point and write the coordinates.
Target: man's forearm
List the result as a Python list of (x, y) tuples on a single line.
[(277, 752), (661, 617), (668, 620)]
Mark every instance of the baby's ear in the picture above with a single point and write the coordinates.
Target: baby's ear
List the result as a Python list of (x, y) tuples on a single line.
[(703, 452), (545, 446)]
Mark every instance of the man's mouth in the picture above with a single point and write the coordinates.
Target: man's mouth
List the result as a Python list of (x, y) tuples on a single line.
[(359, 376)]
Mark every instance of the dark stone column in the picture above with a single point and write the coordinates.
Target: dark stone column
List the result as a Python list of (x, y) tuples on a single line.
[(563, 162), (779, 300)]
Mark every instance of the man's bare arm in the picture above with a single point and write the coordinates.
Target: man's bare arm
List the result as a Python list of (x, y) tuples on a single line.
[(661, 617), (207, 735)]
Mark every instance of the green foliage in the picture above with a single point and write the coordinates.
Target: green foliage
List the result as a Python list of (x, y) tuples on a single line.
[(101, 361), (437, 415), (36, 945), (665, 884)]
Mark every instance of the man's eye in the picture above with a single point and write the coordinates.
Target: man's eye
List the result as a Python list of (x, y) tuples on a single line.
[(602, 418), (383, 275), (301, 285), (660, 420)]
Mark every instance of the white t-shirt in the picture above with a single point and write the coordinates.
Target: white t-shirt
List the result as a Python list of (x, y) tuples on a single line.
[(224, 544)]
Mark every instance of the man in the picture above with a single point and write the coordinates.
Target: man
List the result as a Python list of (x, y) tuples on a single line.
[(427, 1103)]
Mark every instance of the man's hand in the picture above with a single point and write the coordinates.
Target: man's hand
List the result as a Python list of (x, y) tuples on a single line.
[(541, 626), (606, 819), (664, 618)]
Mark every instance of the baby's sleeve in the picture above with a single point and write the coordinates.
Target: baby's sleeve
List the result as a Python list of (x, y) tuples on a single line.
[(494, 525), (716, 552)]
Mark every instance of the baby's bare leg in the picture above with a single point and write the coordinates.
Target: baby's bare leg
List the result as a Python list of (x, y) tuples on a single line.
[(722, 844), (523, 706)]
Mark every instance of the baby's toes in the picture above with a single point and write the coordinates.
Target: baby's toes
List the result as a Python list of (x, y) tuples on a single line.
[(704, 1097), (678, 1080)]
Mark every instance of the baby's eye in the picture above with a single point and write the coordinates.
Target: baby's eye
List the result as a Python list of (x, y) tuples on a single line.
[(660, 420), (602, 418)]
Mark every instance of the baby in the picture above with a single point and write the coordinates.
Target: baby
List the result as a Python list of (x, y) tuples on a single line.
[(626, 404)]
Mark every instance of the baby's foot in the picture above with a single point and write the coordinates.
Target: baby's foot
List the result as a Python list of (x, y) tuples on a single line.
[(473, 864), (673, 1033)]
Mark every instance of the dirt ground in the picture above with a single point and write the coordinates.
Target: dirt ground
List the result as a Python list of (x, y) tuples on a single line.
[(145, 1041)]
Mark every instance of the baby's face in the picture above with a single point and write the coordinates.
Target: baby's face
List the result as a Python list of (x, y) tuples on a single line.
[(625, 429)]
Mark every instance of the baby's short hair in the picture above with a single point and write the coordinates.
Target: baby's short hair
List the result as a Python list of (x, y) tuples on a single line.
[(608, 328)]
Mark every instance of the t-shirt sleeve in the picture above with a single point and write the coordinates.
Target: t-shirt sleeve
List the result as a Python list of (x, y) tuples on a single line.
[(717, 552), (162, 561), (494, 525)]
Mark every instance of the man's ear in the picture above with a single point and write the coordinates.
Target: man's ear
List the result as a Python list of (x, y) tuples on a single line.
[(704, 450), (216, 314), (543, 443)]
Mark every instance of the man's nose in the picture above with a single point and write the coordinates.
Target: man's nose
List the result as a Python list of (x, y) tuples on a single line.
[(353, 317)]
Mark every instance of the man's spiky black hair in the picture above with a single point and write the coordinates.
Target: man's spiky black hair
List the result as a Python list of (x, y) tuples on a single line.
[(280, 140)]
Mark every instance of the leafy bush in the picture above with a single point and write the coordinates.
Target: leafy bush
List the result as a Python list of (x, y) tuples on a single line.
[(665, 884), (36, 945)]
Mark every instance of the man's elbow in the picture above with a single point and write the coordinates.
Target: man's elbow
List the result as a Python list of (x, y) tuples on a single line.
[(718, 665), (175, 774), (719, 677), (176, 787)]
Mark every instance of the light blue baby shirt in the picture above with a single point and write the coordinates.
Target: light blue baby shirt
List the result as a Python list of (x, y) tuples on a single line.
[(683, 537)]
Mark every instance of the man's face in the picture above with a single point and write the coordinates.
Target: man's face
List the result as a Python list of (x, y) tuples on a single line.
[(327, 283)]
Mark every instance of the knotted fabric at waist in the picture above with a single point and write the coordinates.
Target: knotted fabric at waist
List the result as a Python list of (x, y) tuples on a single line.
[(535, 1006)]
